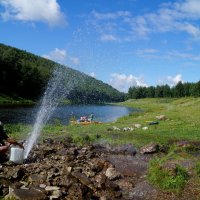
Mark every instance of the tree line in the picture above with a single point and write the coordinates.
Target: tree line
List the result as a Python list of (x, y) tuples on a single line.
[(26, 75), (179, 90)]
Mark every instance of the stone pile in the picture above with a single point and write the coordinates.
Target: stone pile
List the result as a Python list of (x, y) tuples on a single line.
[(61, 170)]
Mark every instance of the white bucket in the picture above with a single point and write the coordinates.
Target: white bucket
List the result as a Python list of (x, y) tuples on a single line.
[(17, 155)]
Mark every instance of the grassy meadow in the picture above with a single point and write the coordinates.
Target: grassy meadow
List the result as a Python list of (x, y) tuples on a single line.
[(183, 123)]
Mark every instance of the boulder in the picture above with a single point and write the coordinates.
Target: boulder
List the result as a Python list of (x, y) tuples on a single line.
[(149, 148)]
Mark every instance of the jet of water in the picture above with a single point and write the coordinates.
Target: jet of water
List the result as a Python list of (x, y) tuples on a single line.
[(58, 87)]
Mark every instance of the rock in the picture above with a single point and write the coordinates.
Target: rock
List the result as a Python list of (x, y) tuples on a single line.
[(145, 128), (161, 117), (149, 148), (143, 191), (137, 125), (112, 174), (100, 181), (128, 129), (17, 173), (23, 194), (56, 194), (116, 128), (82, 178), (52, 188), (130, 166), (48, 141), (37, 178), (126, 149)]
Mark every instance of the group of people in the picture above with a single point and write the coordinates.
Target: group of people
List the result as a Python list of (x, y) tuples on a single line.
[(6, 142), (86, 118)]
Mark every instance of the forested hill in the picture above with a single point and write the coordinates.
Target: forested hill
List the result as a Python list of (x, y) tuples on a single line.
[(25, 75)]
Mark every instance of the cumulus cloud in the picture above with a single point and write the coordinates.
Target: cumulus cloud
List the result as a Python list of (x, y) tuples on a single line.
[(171, 80), (47, 11), (122, 82), (61, 56)]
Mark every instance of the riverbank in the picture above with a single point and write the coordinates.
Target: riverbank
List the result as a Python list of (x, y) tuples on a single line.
[(17, 101)]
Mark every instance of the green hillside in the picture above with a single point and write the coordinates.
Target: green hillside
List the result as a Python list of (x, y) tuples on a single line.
[(25, 75)]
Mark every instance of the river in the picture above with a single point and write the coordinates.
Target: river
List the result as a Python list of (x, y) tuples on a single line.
[(103, 113)]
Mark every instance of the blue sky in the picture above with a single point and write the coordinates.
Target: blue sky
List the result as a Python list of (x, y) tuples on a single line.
[(121, 42)]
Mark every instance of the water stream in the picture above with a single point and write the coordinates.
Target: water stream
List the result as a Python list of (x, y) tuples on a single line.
[(56, 90)]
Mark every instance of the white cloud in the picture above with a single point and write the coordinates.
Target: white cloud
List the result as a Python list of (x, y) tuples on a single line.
[(111, 15), (171, 81), (92, 74), (47, 11), (108, 37), (61, 56), (122, 82), (58, 55), (180, 16)]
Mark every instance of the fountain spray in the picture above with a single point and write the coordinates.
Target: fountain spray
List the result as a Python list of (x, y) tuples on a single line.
[(58, 87)]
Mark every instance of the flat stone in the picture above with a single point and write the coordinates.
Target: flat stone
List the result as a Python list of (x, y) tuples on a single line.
[(24, 194)]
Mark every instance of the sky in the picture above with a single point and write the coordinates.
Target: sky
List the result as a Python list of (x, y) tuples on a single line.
[(121, 42)]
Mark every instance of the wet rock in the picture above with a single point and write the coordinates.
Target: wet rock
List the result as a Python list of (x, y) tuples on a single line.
[(112, 174), (149, 148)]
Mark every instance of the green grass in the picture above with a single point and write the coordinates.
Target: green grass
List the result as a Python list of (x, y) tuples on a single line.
[(17, 101), (164, 179), (182, 124)]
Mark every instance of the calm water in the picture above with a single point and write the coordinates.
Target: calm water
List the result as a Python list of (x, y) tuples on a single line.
[(103, 113)]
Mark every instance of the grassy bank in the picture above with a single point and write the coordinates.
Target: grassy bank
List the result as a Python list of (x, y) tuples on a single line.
[(14, 101), (182, 123)]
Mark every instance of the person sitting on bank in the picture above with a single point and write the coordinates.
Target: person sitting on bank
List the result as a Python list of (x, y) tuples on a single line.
[(91, 117), (5, 141)]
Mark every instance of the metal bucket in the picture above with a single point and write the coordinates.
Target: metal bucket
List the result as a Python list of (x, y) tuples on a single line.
[(17, 155)]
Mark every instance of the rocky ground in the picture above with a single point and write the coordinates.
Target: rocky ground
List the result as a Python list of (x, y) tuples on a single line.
[(61, 170)]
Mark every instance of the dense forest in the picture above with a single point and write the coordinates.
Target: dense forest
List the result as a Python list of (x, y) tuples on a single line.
[(179, 90), (25, 75)]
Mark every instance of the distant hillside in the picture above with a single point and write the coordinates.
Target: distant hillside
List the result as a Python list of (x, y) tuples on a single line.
[(25, 75)]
